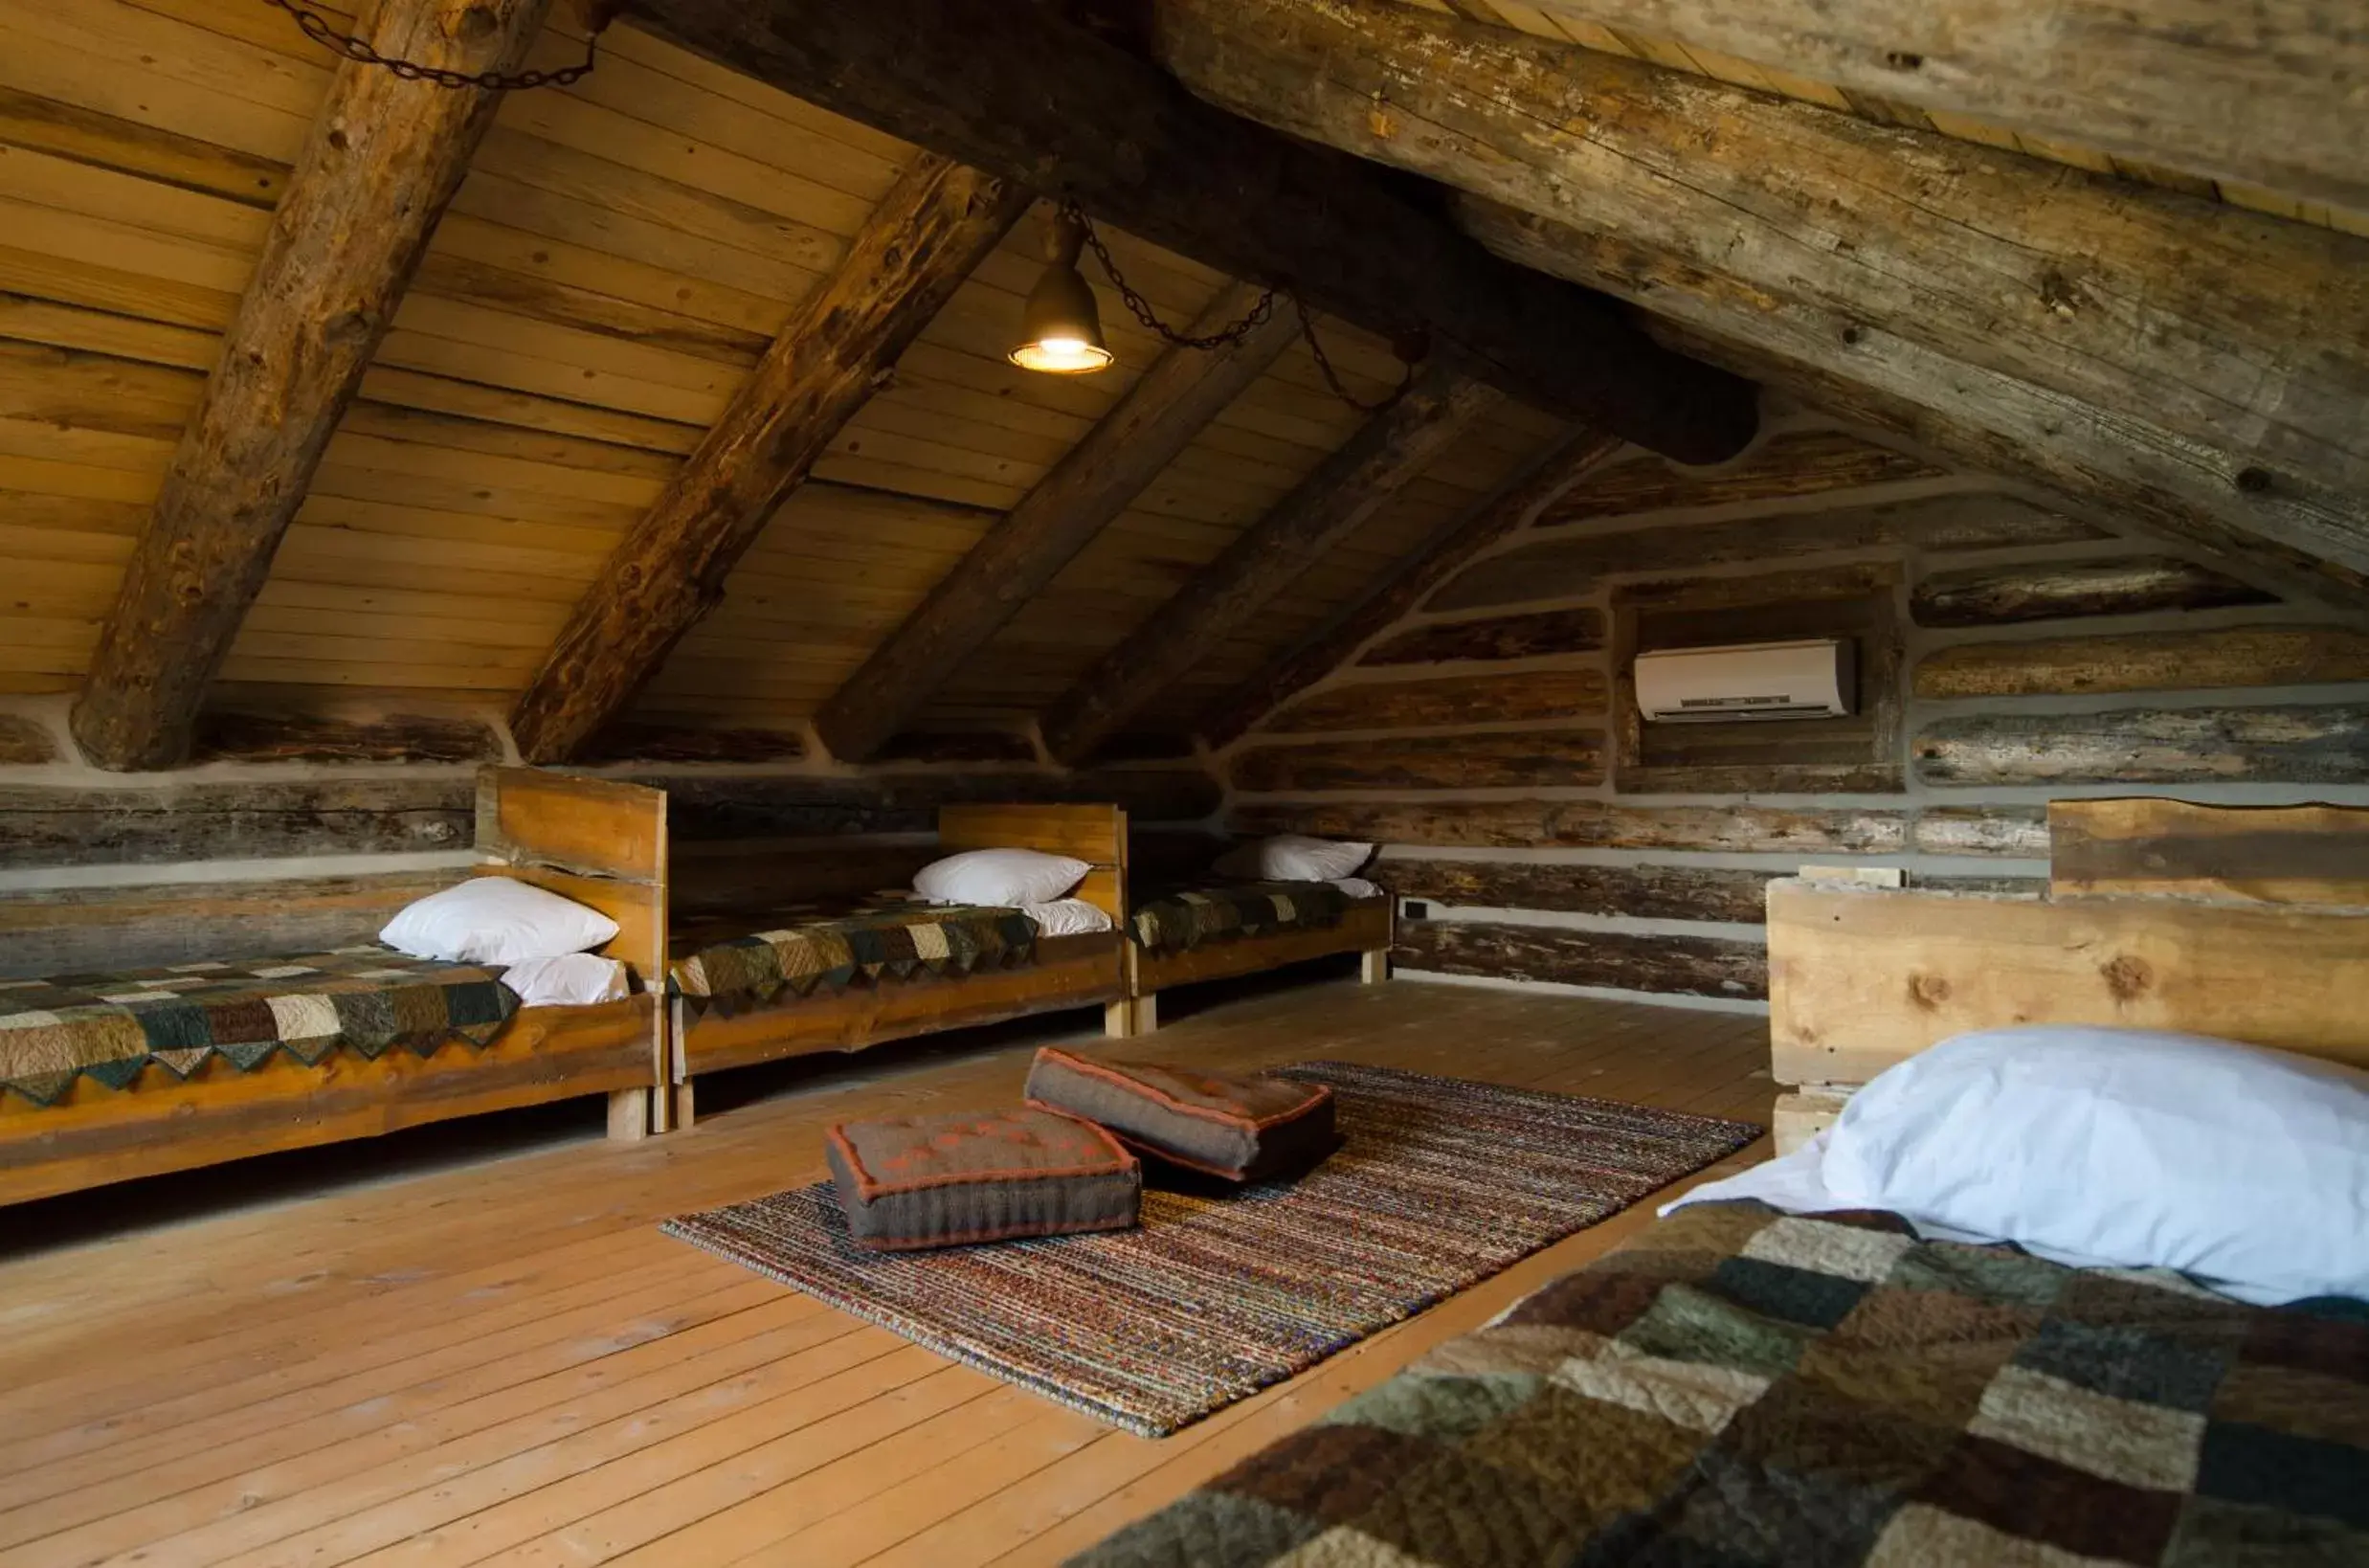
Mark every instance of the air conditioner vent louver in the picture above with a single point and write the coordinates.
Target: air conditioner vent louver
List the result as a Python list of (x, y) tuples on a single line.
[(1810, 679)]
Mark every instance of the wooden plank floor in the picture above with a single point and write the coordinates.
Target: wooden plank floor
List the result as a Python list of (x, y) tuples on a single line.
[(503, 1361)]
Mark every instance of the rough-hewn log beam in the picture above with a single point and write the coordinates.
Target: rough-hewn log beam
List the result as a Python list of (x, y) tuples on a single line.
[(1015, 89), (1093, 482), (2270, 95), (2027, 437), (383, 158), (937, 223), (1437, 561), (2232, 343), (1345, 489)]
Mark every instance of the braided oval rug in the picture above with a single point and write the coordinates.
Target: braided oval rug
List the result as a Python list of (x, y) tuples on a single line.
[(1439, 1183)]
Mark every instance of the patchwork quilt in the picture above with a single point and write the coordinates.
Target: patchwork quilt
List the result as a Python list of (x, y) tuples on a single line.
[(111, 1026), (1180, 921), (801, 948), (1741, 1387)]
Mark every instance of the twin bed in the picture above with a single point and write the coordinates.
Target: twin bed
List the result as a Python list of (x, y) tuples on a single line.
[(1772, 1376), (108, 1076)]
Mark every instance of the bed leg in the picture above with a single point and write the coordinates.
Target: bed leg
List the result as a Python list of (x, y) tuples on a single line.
[(1373, 966), (1148, 1013), (1118, 1018), (685, 1114), (629, 1115)]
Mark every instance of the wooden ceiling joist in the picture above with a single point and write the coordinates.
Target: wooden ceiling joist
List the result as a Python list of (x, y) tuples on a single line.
[(1017, 90), (1094, 481), (2231, 344), (1346, 489), (938, 222), (381, 162), (1405, 586), (2269, 96)]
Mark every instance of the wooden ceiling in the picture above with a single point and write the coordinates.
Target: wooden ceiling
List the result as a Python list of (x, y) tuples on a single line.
[(617, 259)]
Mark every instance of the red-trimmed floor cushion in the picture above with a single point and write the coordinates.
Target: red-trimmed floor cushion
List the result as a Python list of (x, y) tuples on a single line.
[(1241, 1128), (923, 1181)]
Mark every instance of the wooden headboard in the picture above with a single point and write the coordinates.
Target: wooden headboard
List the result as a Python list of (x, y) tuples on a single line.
[(2162, 916), (599, 842), (1095, 834)]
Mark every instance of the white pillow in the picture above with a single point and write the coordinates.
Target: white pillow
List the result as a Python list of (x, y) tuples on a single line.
[(999, 877), (1356, 886), (1070, 917), (2246, 1168), (1288, 857), (572, 979), (495, 920)]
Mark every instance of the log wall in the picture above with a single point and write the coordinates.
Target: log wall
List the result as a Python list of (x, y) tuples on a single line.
[(351, 811), (2013, 651)]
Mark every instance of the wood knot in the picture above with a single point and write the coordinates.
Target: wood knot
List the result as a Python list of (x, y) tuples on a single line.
[(1928, 992), (1901, 59), (2058, 293), (2128, 978), (2255, 481), (474, 23)]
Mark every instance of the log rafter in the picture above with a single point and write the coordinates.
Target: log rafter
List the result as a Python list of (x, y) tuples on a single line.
[(381, 162), (1348, 487), (938, 222), (2268, 94), (2216, 354), (1092, 484), (1017, 90)]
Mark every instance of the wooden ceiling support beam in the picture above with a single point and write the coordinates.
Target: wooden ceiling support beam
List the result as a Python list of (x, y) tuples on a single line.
[(2237, 344), (2270, 96), (1431, 564), (382, 160), (1015, 89), (2095, 478), (1094, 481), (935, 225), (1348, 487)]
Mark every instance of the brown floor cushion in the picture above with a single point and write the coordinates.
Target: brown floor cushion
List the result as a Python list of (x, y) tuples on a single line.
[(919, 1182), (1242, 1128)]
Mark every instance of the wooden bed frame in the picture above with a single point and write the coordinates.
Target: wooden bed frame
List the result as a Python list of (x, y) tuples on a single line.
[(601, 843), (1069, 972), (2246, 923), (1366, 928)]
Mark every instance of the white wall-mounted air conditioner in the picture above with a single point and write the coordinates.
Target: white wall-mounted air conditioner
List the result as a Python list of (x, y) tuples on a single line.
[(1812, 678)]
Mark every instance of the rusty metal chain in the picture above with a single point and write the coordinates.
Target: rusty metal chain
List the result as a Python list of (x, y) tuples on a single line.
[(1257, 317), (320, 31)]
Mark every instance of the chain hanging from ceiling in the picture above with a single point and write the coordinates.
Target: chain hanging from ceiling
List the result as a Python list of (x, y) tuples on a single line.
[(1252, 320), (323, 31)]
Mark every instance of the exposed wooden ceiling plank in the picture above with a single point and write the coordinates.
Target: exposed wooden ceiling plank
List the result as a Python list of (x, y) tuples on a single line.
[(1401, 591), (2272, 96), (938, 222), (381, 162), (1015, 89), (1096, 481), (2230, 347), (1347, 488)]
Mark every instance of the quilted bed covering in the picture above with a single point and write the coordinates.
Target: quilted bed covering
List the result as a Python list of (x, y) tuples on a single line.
[(1740, 1387), (1177, 922), (746, 960), (112, 1026)]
